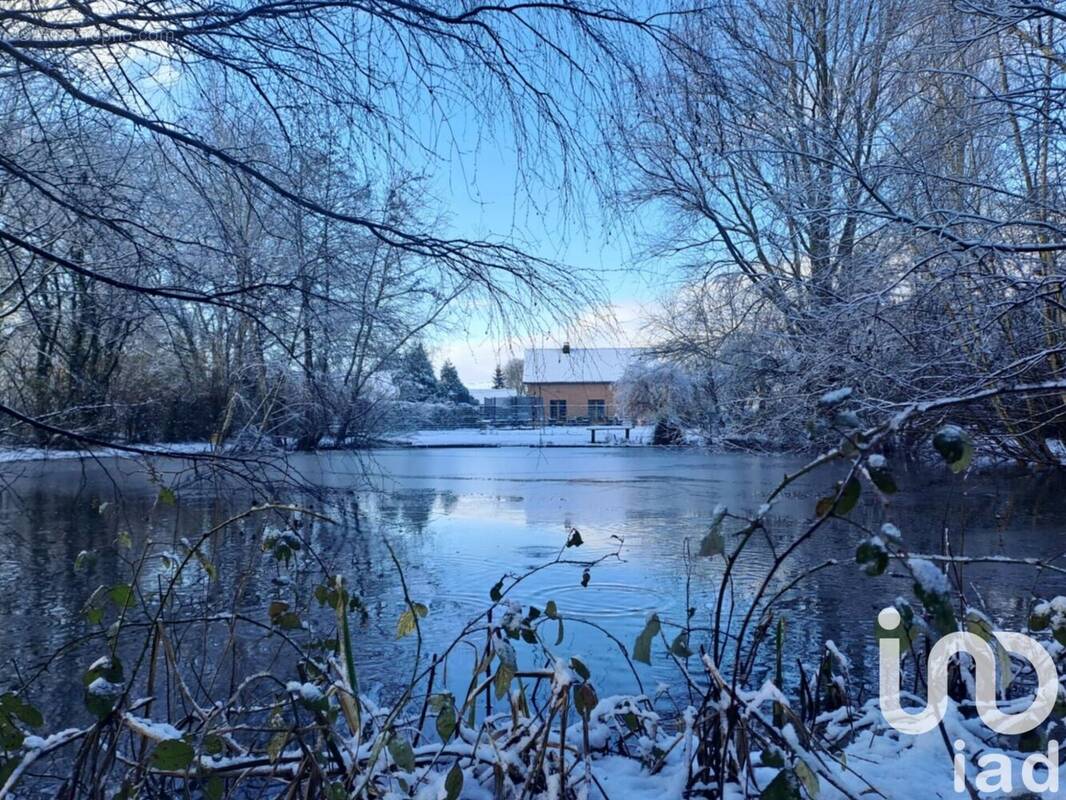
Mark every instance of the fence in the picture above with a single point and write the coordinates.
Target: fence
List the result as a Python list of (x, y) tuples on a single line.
[(496, 412)]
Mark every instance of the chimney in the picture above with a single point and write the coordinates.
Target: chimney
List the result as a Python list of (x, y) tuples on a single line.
[(566, 348)]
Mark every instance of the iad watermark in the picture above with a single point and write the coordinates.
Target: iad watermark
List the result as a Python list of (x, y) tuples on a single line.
[(996, 767)]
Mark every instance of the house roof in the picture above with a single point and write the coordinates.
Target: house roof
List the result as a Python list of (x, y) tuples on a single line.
[(581, 365)]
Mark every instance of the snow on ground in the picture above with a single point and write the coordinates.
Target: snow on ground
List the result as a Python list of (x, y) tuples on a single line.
[(558, 436), (874, 765), (568, 435), (13, 454)]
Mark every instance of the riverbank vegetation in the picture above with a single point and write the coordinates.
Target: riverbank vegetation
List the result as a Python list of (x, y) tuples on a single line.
[(219, 222), (219, 219), (865, 195)]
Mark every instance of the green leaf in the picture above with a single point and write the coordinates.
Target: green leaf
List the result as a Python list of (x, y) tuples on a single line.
[(287, 621), (281, 616), (883, 480), (109, 668), (808, 779), (213, 745), (841, 501), (939, 608), (679, 647), (496, 592), (713, 544), (11, 738), (446, 721), (84, 560), (173, 754), (783, 787), (502, 682), (824, 506), (123, 540), (214, 788), (1032, 741), (276, 745), (167, 496), (551, 610), (575, 539), (406, 623), (849, 496), (453, 783), (772, 757), (559, 635), (585, 699), (205, 564), (99, 705), (642, 647), (402, 754), (1039, 620), (954, 446), (121, 595), (14, 705), (872, 556), (579, 667)]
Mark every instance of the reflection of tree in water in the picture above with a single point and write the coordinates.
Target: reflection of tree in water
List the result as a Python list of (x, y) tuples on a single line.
[(995, 513), (43, 528), (448, 501), (42, 531), (411, 508)]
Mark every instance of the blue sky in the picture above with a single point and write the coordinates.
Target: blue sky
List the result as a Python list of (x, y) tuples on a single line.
[(468, 147), (478, 189)]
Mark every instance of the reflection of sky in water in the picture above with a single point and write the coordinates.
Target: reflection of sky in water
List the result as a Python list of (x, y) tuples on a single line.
[(460, 519)]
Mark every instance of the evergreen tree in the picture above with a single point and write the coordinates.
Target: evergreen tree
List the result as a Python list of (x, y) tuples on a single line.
[(450, 388), (498, 379), (414, 378)]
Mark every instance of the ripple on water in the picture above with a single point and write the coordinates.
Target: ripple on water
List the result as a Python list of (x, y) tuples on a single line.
[(603, 600)]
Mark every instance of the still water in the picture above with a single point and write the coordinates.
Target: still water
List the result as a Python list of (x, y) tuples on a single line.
[(460, 519)]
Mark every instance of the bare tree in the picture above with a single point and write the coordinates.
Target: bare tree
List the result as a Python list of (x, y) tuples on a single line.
[(230, 184), (866, 194)]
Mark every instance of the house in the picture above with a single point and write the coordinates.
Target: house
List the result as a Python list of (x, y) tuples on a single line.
[(575, 383)]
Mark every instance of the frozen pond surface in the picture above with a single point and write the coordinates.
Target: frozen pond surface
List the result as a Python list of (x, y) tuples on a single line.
[(459, 519)]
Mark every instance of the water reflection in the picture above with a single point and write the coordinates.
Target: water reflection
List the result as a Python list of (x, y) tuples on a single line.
[(459, 520)]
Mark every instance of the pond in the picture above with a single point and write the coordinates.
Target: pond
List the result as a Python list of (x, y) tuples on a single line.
[(460, 519)]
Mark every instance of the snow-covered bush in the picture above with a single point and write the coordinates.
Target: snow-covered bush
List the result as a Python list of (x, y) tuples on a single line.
[(652, 391)]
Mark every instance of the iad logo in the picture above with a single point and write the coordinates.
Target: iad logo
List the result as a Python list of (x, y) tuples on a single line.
[(925, 720), (1039, 772)]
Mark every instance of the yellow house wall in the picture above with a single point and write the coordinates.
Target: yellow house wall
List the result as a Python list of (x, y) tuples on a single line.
[(576, 395)]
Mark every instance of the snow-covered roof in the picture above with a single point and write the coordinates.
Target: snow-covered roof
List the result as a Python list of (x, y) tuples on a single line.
[(580, 365)]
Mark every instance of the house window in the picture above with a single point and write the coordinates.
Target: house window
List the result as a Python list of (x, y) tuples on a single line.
[(557, 410), (597, 410)]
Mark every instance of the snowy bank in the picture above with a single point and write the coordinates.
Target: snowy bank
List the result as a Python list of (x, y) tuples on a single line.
[(560, 436), (10, 455)]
